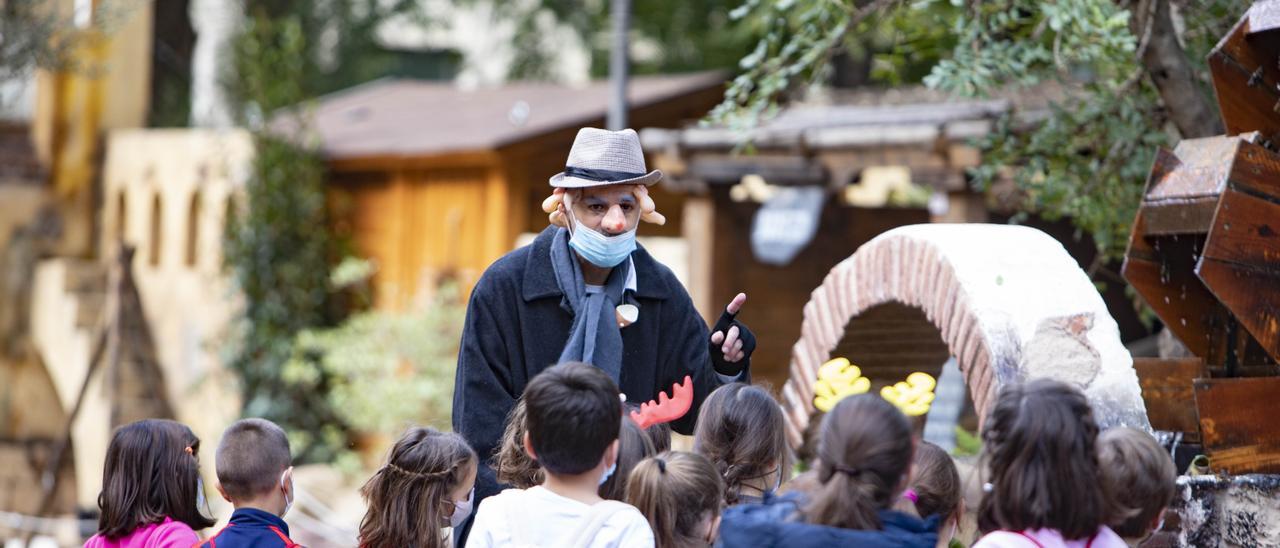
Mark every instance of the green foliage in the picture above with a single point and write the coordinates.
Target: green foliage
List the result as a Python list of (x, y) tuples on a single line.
[(387, 370), (278, 246), (279, 252), (37, 35), (1087, 162), (968, 443)]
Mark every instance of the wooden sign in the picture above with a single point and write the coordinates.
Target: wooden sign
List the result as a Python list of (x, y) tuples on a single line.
[(1240, 423)]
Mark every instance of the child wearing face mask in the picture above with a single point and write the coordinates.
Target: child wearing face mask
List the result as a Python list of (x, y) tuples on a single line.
[(572, 416), (741, 431), (428, 483), (158, 459), (255, 474), (681, 495)]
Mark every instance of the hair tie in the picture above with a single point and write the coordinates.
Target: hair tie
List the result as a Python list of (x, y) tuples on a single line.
[(910, 494), (852, 472), (662, 466)]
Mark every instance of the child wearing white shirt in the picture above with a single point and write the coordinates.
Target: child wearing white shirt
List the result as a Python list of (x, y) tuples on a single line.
[(573, 415)]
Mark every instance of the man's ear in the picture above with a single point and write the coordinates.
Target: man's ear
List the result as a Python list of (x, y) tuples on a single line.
[(528, 447), (223, 492)]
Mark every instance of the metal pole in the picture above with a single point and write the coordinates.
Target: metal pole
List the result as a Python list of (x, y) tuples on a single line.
[(618, 66)]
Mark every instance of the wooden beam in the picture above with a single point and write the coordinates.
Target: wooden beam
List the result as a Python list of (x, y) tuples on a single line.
[(1238, 423)]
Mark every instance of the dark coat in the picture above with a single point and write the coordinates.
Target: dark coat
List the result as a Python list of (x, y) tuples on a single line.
[(517, 324), (775, 524)]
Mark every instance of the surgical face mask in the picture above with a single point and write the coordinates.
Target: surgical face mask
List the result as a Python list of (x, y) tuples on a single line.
[(608, 472), (600, 250), (288, 493), (462, 509)]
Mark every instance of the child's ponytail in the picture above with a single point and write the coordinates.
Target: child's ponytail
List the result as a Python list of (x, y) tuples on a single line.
[(864, 451), (676, 492)]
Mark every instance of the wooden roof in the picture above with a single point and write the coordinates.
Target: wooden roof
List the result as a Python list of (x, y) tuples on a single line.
[(408, 118)]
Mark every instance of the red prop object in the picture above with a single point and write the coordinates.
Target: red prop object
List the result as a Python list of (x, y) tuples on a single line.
[(666, 409)]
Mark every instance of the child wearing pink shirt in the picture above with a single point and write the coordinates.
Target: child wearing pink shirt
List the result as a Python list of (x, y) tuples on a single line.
[(152, 493), (1045, 489)]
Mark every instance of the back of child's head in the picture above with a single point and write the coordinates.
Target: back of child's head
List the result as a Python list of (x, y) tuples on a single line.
[(1038, 443), (935, 482), (408, 498), (1139, 476), (678, 493), (572, 414), (513, 465), (251, 458), (152, 471), (864, 450), (634, 445), (741, 431)]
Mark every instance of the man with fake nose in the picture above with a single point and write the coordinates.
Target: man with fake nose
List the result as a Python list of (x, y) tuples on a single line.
[(584, 290)]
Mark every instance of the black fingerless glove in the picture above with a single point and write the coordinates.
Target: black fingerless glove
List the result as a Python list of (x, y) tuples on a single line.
[(731, 369)]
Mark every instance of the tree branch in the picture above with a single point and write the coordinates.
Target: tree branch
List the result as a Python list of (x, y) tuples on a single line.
[(1166, 63)]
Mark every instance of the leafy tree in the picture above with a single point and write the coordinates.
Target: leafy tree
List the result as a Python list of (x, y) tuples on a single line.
[(1131, 84), (278, 246)]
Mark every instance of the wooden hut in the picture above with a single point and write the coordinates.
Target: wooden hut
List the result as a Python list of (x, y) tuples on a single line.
[(431, 181)]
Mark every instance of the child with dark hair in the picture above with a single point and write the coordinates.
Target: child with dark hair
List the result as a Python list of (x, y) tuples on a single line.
[(427, 484), (680, 494), (1140, 477), (572, 414), (1045, 489), (255, 474), (935, 489), (151, 488), (512, 465), (863, 458), (634, 445), (740, 429)]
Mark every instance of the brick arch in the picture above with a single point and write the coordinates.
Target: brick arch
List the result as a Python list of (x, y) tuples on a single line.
[(1007, 301)]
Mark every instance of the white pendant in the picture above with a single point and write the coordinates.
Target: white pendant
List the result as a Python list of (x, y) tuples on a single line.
[(627, 314)]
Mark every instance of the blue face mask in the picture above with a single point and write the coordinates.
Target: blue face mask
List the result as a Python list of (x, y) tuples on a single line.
[(608, 472), (600, 250)]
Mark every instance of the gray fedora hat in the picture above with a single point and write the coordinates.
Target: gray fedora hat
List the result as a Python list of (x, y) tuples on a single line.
[(601, 157)]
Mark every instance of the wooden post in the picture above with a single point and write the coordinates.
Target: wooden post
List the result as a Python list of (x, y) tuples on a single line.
[(699, 231)]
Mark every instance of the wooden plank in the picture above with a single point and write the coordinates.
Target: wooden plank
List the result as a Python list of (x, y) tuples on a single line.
[(1168, 394), (1241, 263), (1162, 271), (1234, 64), (1194, 216), (1238, 423)]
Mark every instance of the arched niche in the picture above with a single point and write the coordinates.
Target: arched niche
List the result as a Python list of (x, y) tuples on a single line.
[(1007, 301)]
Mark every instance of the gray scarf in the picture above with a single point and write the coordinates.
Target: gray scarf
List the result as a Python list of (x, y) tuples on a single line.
[(594, 337)]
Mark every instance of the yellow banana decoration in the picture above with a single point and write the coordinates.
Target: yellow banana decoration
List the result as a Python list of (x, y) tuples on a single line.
[(914, 396), (837, 379)]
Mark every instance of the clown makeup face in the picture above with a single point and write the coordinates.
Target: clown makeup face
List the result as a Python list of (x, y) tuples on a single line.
[(609, 210)]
